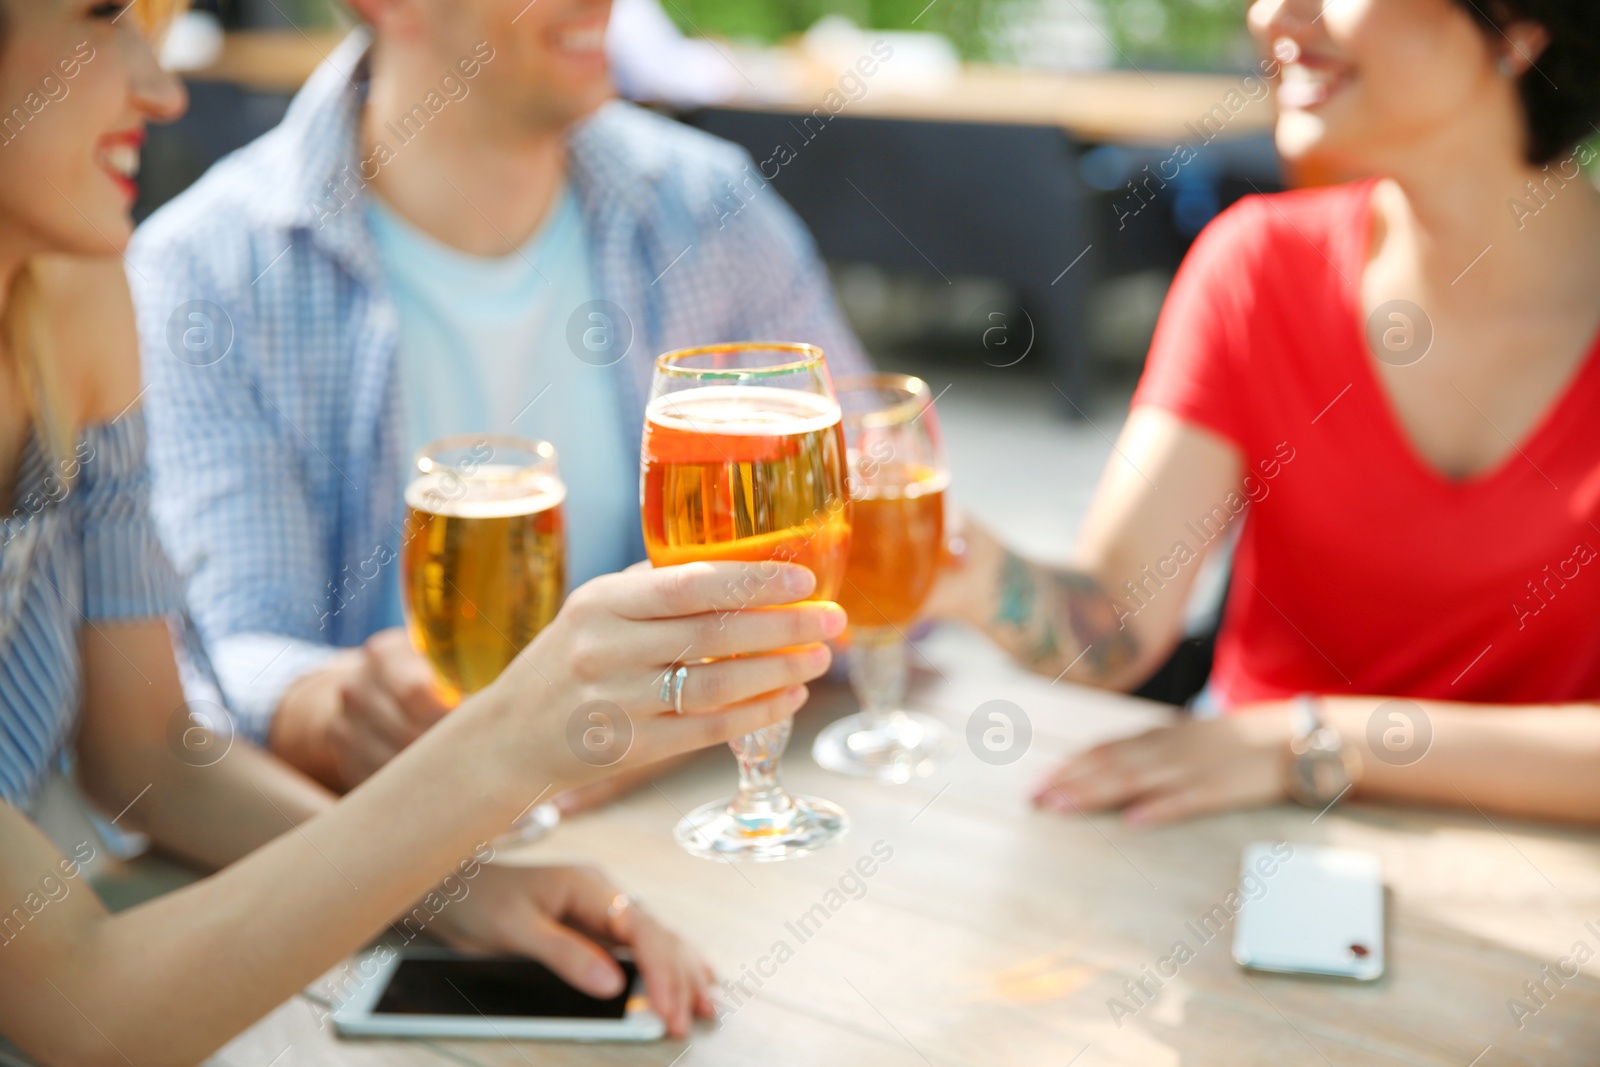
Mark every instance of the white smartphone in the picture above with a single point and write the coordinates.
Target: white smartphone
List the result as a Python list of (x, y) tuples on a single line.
[(436, 992), (1307, 909)]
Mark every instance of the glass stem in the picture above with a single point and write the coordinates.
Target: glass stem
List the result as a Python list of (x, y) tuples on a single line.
[(878, 673), (760, 792)]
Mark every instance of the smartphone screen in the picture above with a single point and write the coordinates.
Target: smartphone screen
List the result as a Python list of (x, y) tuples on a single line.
[(495, 986)]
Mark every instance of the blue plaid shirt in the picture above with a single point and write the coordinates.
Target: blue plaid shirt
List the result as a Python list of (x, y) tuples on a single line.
[(269, 341)]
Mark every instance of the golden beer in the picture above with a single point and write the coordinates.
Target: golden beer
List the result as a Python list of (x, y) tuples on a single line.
[(896, 542), (483, 566), (753, 473), (898, 479)]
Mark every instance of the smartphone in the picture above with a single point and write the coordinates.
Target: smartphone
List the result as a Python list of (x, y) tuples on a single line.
[(436, 992), (1306, 909)]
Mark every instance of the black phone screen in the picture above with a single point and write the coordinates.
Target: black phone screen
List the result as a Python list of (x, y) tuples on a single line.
[(507, 986)]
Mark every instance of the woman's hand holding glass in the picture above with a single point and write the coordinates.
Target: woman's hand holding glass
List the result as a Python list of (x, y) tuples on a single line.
[(619, 635)]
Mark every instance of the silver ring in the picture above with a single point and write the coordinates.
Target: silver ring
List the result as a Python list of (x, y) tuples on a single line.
[(619, 906), (675, 679)]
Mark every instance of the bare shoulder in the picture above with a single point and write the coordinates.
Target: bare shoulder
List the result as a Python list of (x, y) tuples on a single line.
[(93, 331)]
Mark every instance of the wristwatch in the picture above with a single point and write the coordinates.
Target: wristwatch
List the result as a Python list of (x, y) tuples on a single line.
[(1320, 768)]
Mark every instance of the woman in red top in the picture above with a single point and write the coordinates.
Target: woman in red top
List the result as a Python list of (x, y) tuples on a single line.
[(1398, 380)]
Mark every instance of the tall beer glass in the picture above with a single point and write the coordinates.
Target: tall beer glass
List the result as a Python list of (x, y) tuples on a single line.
[(744, 459), (897, 480), (483, 563)]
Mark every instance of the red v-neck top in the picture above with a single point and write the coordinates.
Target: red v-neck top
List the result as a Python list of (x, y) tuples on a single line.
[(1361, 568)]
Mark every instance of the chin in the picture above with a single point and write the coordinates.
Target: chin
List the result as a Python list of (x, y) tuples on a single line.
[(1308, 145), (1297, 134), (108, 235), (579, 104)]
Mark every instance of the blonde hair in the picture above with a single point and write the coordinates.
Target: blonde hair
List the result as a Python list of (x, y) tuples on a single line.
[(25, 324), (156, 15)]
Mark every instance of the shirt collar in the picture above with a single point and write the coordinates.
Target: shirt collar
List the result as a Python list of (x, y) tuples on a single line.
[(609, 167), (314, 178)]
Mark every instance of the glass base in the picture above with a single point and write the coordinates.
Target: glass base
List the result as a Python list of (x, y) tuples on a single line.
[(803, 824), (897, 748)]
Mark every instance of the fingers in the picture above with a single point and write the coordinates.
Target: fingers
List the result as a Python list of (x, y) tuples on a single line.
[(677, 981), (373, 715), (703, 979), (740, 632), (365, 734), (700, 588), (664, 962), (1201, 798), (1112, 775), (717, 685), (674, 734), (406, 676), (665, 965), (576, 959)]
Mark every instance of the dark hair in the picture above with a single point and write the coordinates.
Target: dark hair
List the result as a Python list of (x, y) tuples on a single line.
[(1561, 91)]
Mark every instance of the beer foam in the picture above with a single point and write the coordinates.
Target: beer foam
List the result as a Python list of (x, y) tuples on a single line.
[(869, 489), (492, 491), (743, 411)]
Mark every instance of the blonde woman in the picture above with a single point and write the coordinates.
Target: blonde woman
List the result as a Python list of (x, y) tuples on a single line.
[(86, 661)]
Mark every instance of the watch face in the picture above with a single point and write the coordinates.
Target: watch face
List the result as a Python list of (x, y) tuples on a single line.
[(1318, 777)]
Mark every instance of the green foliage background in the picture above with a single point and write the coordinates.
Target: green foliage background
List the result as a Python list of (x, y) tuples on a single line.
[(1164, 33), (1160, 34)]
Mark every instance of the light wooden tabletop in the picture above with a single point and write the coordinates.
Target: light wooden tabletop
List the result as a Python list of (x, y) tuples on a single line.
[(994, 935)]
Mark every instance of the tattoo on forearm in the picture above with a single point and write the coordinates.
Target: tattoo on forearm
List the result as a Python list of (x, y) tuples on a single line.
[(1017, 592), (1052, 620)]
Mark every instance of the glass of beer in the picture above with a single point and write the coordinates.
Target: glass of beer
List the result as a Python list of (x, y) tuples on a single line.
[(897, 481), (744, 459), (483, 564)]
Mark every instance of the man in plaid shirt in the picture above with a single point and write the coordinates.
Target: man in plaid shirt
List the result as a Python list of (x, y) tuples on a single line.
[(454, 229)]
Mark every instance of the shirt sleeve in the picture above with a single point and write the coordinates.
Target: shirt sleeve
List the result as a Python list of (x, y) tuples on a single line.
[(126, 574), (1195, 365), (785, 287), (229, 495)]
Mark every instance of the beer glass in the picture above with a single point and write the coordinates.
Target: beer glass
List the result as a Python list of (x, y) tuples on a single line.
[(897, 482), (483, 564), (744, 459)]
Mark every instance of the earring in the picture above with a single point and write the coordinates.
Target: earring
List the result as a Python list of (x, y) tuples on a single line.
[(1507, 68)]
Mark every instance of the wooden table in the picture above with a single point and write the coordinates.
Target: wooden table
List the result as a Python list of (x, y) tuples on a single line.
[(995, 935)]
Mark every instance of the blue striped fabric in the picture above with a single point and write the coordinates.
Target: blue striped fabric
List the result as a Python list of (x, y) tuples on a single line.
[(277, 453), (79, 548)]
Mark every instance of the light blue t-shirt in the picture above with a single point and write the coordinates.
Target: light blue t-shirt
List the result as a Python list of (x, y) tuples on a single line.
[(483, 349)]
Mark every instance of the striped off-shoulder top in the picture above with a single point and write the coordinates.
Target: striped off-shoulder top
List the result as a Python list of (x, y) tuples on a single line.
[(78, 549)]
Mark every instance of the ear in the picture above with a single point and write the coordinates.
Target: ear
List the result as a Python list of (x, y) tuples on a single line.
[(1526, 42)]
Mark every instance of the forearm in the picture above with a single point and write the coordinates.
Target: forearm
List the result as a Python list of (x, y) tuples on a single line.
[(208, 808), (333, 884), (1058, 621), (156, 764), (1532, 762)]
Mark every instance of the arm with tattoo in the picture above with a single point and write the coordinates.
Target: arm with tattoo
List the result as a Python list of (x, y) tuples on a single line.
[(1054, 620)]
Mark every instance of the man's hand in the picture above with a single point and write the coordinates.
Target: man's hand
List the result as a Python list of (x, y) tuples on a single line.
[(342, 722), (561, 916), (1196, 767)]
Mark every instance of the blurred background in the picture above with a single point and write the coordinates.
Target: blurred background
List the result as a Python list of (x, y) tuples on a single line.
[(995, 184)]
